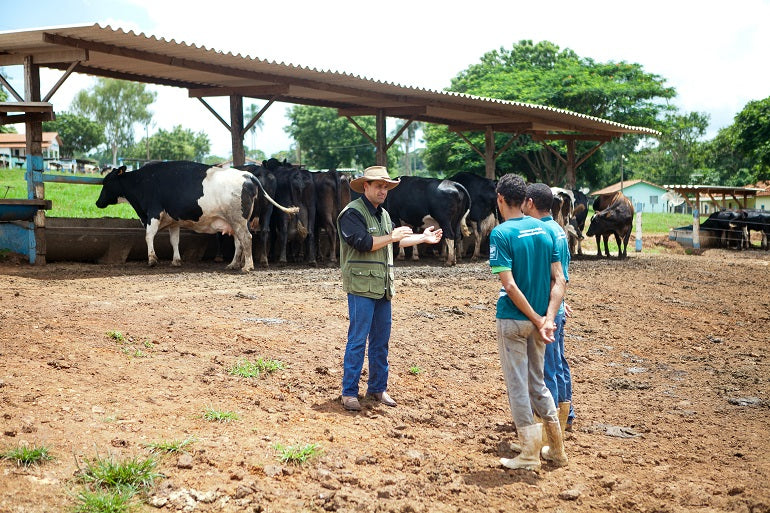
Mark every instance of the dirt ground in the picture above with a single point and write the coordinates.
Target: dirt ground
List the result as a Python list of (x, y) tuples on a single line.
[(669, 354)]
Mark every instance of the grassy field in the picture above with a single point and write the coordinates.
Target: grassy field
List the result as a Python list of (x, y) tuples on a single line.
[(69, 200), (79, 201)]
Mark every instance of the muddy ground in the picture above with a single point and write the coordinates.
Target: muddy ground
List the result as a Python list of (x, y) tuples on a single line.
[(669, 353)]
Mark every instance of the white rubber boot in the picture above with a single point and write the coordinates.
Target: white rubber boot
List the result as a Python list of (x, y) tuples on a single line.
[(554, 451), (529, 459), (563, 416)]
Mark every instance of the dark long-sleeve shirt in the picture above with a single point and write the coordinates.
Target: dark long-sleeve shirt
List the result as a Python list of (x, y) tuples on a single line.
[(353, 227)]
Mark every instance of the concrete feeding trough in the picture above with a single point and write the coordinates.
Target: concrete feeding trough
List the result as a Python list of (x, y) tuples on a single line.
[(683, 235), (115, 241)]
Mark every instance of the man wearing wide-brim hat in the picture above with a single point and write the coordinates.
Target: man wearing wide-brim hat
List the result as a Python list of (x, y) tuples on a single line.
[(366, 260)]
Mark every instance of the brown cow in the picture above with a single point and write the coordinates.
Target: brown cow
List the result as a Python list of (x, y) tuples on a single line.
[(617, 218)]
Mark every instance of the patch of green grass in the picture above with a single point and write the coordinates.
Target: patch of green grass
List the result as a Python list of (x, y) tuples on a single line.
[(125, 477), (101, 501), (219, 416), (415, 370), (246, 369), (170, 446), (296, 454), (27, 456), (68, 200), (116, 336)]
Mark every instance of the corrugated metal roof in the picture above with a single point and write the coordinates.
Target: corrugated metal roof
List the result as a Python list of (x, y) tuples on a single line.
[(113, 52)]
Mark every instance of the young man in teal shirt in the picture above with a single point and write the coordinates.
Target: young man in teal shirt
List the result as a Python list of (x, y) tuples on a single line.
[(556, 371), (523, 255)]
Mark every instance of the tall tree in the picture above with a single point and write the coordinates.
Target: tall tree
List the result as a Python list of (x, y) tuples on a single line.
[(543, 74), (329, 141), (118, 105), (79, 135), (752, 125), (177, 144)]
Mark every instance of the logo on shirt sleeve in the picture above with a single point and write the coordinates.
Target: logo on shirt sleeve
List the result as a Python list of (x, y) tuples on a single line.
[(492, 252)]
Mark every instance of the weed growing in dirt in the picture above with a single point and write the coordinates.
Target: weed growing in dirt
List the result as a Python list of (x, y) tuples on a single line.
[(102, 502), (116, 336), (219, 416), (246, 369), (415, 370), (27, 456), (111, 485), (125, 477), (297, 454), (170, 446)]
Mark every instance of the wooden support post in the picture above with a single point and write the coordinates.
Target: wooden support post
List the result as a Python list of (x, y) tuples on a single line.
[(489, 153), (34, 150), (382, 139), (570, 177), (696, 223), (236, 129)]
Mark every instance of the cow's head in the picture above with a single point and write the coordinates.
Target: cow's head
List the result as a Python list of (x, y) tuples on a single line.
[(111, 188)]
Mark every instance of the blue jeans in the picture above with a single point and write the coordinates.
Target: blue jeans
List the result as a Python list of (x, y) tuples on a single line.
[(556, 371), (369, 318)]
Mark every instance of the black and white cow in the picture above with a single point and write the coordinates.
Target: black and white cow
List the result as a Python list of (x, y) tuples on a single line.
[(417, 198), (182, 194), (482, 217)]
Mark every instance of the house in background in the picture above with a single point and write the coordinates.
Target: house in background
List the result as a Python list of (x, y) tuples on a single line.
[(648, 194), (762, 200), (13, 151)]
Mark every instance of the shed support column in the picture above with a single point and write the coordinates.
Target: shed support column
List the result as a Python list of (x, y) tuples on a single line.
[(34, 175), (489, 152), (570, 177), (382, 139), (236, 129)]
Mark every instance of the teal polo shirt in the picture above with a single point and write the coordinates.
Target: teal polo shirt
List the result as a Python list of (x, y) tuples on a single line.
[(525, 247)]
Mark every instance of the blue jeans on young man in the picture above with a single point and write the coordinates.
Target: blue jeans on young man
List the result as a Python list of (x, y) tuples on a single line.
[(370, 319), (556, 371)]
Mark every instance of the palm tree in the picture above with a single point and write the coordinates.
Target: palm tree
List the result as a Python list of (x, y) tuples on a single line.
[(252, 111)]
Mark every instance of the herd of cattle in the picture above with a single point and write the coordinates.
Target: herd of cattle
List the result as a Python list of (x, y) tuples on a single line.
[(292, 212), (733, 228)]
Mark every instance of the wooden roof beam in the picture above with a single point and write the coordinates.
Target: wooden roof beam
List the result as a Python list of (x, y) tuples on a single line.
[(45, 57), (497, 127), (247, 91), (405, 111)]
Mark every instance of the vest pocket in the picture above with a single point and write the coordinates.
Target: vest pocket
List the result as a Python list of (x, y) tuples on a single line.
[(364, 280)]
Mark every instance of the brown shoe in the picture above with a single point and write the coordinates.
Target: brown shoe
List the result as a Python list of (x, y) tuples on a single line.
[(351, 403), (382, 397)]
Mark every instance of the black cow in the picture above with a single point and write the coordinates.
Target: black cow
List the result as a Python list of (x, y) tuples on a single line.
[(728, 227), (296, 187), (182, 194), (616, 219), (259, 223), (328, 200), (482, 217), (417, 198)]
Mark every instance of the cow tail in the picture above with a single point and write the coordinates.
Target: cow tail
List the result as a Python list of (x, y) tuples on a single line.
[(464, 229), (288, 210)]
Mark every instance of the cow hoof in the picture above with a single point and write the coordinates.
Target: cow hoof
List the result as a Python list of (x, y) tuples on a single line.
[(247, 269), (152, 262), (176, 263)]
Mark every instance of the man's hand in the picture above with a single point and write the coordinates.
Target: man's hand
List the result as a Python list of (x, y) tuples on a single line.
[(431, 236), (547, 330), (400, 232), (567, 310)]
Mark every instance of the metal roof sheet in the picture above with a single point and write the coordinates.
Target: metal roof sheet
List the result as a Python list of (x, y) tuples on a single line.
[(112, 52)]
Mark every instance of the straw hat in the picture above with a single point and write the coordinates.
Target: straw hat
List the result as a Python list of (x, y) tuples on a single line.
[(371, 174)]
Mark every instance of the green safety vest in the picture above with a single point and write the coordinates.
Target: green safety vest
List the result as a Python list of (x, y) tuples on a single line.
[(368, 274)]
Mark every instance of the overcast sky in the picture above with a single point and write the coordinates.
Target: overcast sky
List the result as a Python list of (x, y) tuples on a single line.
[(714, 54)]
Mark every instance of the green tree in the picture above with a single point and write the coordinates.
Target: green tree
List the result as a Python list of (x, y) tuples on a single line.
[(543, 74), (79, 134), (752, 136), (177, 144), (118, 105), (327, 140)]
